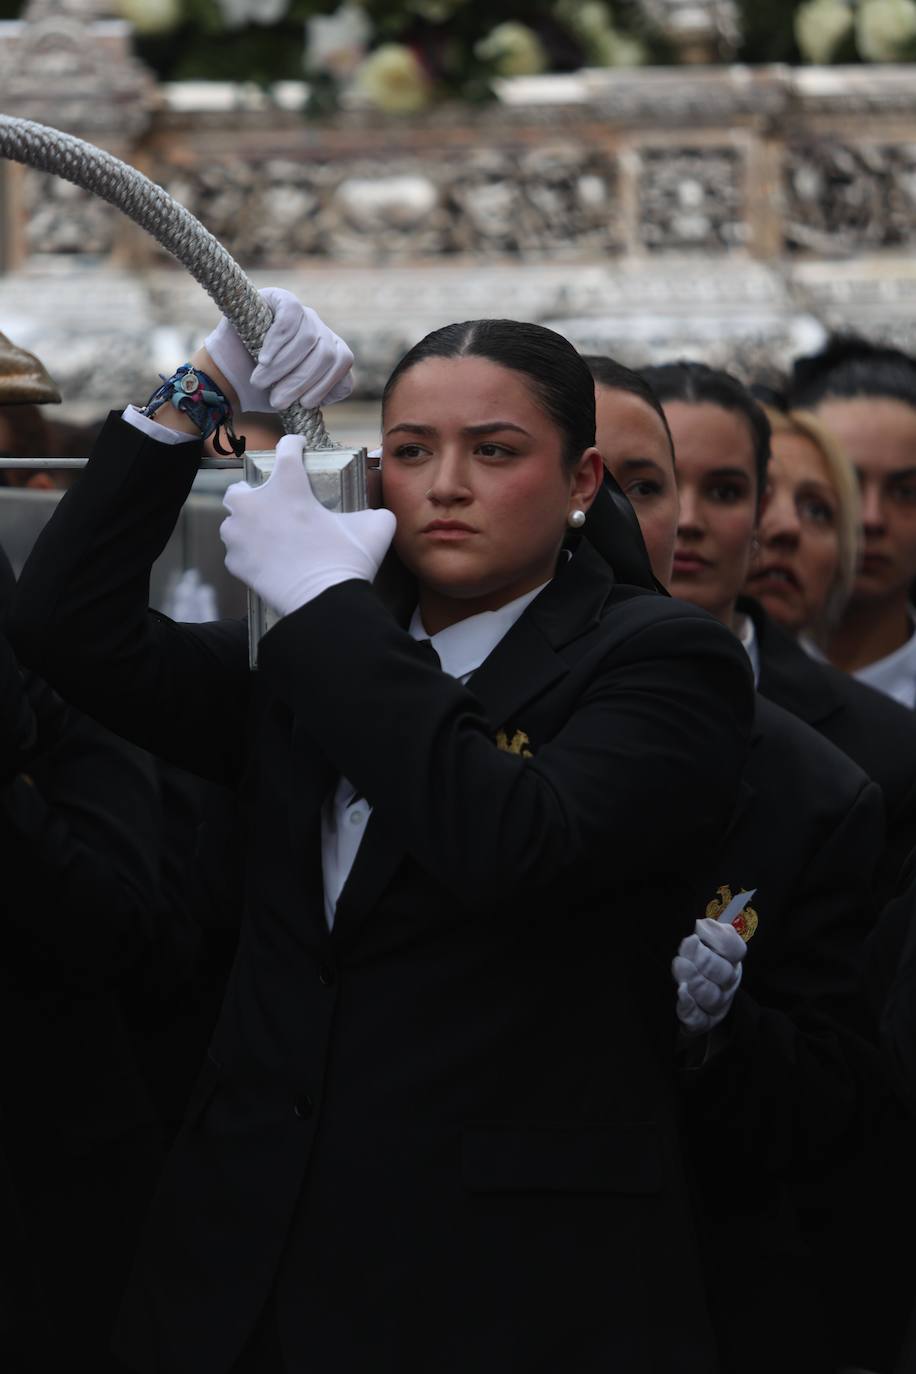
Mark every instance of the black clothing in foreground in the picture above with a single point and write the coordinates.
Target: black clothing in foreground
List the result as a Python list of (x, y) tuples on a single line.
[(445, 1132), (79, 835), (879, 734), (892, 986), (791, 1078)]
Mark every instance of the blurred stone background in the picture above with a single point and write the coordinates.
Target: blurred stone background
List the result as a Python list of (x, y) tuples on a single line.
[(728, 211)]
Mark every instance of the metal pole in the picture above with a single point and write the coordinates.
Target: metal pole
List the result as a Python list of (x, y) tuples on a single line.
[(207, 464)]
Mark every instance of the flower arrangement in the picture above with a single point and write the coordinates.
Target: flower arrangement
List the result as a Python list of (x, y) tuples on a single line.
[(400, 56), (843, 30), (395, 55)]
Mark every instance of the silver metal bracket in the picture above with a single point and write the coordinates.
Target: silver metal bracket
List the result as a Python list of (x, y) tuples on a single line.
[(338, 478), (337, 475)]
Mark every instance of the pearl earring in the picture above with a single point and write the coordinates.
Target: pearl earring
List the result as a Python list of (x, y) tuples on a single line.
[(576, 519)]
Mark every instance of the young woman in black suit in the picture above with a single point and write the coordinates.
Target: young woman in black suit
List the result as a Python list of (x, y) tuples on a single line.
[(777, 1068), (436, 1127), (865, 394), (797, 1086), (721, 439)]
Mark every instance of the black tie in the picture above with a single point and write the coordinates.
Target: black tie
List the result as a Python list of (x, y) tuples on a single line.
[(426, 648)]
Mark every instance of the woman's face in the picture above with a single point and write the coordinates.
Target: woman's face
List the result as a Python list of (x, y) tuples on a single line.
[(473, 471), (798, 560), (879, 435), (632, 441), (717, 489)]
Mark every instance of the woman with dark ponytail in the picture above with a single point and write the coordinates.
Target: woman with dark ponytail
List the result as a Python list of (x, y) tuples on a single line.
[(437, 1124), (721, 440)]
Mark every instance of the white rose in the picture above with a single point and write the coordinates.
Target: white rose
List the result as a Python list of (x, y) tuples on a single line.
[(336, 42), (820, 27), (628, 52), (615, 50), (885, 29), (151, 16), (392, 79), (514, 50), (592, 19)]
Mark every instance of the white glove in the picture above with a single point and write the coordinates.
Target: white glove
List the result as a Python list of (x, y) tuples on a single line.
[(707, 970), (281, 542), (301, 359)]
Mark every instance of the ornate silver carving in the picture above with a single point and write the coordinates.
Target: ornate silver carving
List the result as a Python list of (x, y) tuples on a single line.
[(843, 197), (62, 65), (675, 97), (556, 199), (691, 198), (727, 310), (541, 208), (65, 219)]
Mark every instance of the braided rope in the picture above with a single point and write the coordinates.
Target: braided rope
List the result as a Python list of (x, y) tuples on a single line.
[(49, 150)]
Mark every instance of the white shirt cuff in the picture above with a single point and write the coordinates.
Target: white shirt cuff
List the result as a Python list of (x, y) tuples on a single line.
[(152, 427)]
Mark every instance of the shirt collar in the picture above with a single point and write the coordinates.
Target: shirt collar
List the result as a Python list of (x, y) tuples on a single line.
[(894, 675), (462, 647)]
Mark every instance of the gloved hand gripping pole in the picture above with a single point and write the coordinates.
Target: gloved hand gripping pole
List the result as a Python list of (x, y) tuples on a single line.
[(338, 475), (174, 227)]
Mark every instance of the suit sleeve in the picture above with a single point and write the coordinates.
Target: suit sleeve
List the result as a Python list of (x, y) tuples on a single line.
[(901, 837), (79, 837), (891, 977), (797, 1063), (643, 773), (79, 616)]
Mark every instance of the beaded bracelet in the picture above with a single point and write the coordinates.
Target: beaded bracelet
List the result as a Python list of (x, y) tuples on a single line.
[(197, 396)]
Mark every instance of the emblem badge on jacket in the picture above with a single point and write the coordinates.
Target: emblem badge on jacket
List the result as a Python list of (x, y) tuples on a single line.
[(518, 744), (735, 910)]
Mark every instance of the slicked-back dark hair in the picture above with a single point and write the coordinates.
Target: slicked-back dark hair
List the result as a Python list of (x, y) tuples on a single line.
[(849, 366), (697, 384), (557, 376), (613, 376)]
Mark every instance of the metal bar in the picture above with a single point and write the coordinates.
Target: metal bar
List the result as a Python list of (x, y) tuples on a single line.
[(207, 464)]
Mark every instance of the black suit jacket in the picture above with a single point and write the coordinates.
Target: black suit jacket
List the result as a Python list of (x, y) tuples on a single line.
[(79, 851), (447, 1130), (791, 1079), (892, 984), (878, 733)]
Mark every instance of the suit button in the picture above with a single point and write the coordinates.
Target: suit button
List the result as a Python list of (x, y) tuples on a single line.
[(326, 975), (304, 1107)]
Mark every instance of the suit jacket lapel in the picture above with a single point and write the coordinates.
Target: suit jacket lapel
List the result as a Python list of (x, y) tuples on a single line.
[(311, 778), (787, 675), (529, 658), (524, 664), (747, 792)]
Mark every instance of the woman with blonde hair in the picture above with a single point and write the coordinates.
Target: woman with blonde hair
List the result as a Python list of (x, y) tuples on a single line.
[(809, 532)]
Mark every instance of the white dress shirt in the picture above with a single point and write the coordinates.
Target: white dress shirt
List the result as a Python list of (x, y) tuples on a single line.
[(152, 427), (894, 675), (461, 648)]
